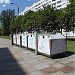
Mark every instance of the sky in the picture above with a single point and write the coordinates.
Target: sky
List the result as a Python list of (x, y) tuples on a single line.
[(23, 4)]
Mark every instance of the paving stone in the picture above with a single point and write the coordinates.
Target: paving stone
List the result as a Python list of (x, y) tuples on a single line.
[(66, 69), (8, 64), (14, 72), (72, 73), (35, 73), (29, 69), (36, 63), (8, 68), (42, 58), (28, 58), (71, 59), (66, 61), (58, 60), (58, 73), (49, 70), (38, 56), (50, 62), (7, 61), (31, 61), (20, 61), (42, 66), (58, 65), (46, 60), (72, 56), (72, 64), (25, 65)]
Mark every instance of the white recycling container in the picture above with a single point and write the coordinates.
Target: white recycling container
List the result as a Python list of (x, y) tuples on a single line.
[(32, 41), (24, 40), (14, 38), (18, 39), (51, 44)]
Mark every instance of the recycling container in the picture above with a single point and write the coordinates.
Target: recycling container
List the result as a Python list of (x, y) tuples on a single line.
[(24, 40), (19, 39), (51, 44), (14, 39), (32, 41)]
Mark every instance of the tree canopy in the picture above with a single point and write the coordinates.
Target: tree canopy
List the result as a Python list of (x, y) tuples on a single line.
[(6, 17), (47, 19), (69, 17)]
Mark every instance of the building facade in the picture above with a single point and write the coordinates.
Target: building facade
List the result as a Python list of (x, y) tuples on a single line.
[(53, 3)]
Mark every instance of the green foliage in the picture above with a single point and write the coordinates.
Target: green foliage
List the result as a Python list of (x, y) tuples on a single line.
[(19, 23), (13, 26), (6, 17), (47, 19), (69, 17)]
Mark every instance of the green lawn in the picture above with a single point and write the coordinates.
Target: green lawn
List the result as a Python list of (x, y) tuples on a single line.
[(71, 45), (5, 37)]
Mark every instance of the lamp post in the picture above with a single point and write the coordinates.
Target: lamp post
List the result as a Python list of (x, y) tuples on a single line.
[(17, 12), (17, 6)]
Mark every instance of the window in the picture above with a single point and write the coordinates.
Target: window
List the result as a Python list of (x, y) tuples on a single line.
[(54, 4), (59, 6), (53, 0), (59, 2)]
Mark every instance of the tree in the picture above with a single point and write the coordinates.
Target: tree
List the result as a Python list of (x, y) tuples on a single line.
[(27, 21), (47, 19), (69, 18), (50, 19), (13, 26), (6, 17), (19, 20), (60, 15)]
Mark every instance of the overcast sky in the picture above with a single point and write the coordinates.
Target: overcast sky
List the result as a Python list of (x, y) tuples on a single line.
[(5, 4)]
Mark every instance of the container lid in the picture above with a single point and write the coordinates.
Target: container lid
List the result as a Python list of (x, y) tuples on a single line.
[(57, 36)]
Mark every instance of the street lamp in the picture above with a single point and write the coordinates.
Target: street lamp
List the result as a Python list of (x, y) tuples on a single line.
[(18, 14), (17, 6)]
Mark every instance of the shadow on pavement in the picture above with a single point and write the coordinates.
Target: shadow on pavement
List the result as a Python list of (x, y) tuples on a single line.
[(62, 55), (8, 64)]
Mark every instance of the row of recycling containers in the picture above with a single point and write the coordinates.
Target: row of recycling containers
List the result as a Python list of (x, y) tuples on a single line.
[(48, 44)]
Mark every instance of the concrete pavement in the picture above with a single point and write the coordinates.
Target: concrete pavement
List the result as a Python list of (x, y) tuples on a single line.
[(20, 61)]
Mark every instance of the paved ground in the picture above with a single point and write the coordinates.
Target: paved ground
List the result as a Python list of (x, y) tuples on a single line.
[(19, 61)]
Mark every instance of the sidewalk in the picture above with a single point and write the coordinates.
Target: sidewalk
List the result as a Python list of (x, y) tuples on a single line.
[(19, 61)]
